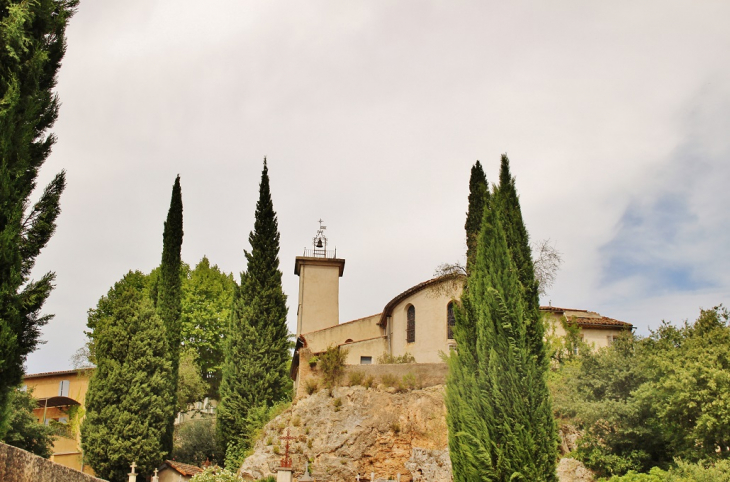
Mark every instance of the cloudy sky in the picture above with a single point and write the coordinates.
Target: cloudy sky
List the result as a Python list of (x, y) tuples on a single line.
[(615, 116)]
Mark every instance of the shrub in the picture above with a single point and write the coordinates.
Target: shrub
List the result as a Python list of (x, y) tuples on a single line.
[(368, 382), (410, 382), (195, 442), (276, 449), (337, 403), (387, 359), (389, 380), (311, 385), (313, 361), (332, 364), (216, 474), (356, 378), (395, 427)]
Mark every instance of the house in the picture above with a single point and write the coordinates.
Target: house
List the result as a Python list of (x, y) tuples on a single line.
[(419, 321), (61, 396), (171, 471)]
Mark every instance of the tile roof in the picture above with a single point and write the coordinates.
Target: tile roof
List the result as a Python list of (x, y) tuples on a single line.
[(60, 372), (555, 308), (184, 469), (600, 321)]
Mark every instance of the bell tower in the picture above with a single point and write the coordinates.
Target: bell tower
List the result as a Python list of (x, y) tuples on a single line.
[(319, 272)]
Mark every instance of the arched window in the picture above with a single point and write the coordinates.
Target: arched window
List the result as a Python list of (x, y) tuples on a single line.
[(411, 326), (450, 321)]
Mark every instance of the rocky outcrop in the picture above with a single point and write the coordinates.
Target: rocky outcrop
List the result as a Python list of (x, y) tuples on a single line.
[(355, 430), (359, 431)]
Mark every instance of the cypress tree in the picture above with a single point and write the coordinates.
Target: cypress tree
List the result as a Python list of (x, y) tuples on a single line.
[(256, 350), (127, 404), (499, 415), (33, 44), (478, 199), (169, 296)]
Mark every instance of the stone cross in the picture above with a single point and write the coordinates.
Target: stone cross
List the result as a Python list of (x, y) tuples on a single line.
[(372, 476), (155, 478), (133, 474), (357, 478)]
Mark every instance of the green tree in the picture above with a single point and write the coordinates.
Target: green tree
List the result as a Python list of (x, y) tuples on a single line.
[(195, 442), (206, 309), (190, 385), (497, 399), (255, 370), (24, 430), (478, 200), (32, 35), (128, 401), (169, 295)]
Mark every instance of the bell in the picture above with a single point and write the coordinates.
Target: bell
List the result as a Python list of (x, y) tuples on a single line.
[(319, 243)]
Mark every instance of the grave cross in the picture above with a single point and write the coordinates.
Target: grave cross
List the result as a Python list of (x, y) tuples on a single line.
[(286, 460), (133, 474)]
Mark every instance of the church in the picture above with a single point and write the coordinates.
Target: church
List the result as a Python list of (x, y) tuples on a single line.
[(419, 321)]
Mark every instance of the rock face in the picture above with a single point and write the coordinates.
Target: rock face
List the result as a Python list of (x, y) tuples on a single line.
[(359, 431), (571, 470)]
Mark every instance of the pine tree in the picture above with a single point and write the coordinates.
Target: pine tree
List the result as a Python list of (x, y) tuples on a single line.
[(33, 44), (478, 199), (256, 350), (169, 295), (499, 414), (127, 404)]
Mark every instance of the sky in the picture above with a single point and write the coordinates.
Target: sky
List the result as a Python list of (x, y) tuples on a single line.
[(615, 117)]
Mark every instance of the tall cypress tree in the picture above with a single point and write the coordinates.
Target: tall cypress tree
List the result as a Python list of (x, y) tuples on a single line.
[(169, 296), (478, 199), (127, 404), (257, 347), (499, 415), (33, 43)]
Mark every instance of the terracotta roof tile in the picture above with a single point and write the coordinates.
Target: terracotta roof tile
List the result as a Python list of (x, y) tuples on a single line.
[(184, 469), (555, 308), (602, 321)]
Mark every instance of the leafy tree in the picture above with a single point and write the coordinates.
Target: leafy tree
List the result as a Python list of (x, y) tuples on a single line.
[(169, 295), (190, 385), (128, 401), (255, 370), (33, 43), (206, 309), (24, 430)]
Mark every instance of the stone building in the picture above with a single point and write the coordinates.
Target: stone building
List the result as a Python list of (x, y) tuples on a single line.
[(419, 321)]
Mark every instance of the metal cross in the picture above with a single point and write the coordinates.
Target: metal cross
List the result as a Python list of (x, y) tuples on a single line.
[(286, 460)]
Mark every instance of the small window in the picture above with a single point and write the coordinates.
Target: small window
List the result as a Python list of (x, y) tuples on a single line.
[(411, 326), (452, 348), (62, 419), (63, 388), (450, 321), (366, 360)]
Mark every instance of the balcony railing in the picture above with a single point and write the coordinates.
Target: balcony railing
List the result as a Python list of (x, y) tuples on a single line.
[(320, 253)]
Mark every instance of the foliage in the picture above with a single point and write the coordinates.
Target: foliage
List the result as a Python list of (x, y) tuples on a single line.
[(311, 385), (565, 348), (32, 35), (216, 474), (256, 419), (387, 358), (207, 294), (499, 415), (255, 371), (356, 378), (332, 365), (169, 296), (718, 471), (190, 385), (195, 442), (127, 403), (24, 430), (643, 402)]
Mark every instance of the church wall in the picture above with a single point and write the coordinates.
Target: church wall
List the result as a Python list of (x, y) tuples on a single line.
[(372, 348), (431, 325), (362, 329)]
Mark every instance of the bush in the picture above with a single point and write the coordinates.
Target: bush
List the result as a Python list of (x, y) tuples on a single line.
[(332, 365), (390, 380), (311, 385), (337, 403), (368, 382), (215, 474), (387, 359), (313, 361), (195, 442), (682, 472), (410, 382), (356, 378)]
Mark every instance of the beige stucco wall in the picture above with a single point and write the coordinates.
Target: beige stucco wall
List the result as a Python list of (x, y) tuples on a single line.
[(170, 475), (373, 348), (431, 324), (597, 337), (362, 329), (319, 289), (66, 451)]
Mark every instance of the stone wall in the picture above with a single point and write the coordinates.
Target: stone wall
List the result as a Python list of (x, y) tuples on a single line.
[(17, 465)]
